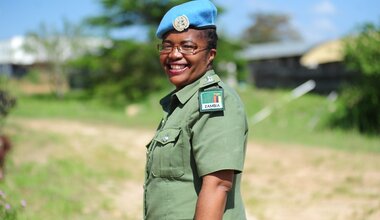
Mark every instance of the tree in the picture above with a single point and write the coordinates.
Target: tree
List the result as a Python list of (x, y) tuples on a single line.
[(126, 72), (227, 50), (125, 13), (130, 70), (362, 52), (54, 48), (269, 27), (360, 102)]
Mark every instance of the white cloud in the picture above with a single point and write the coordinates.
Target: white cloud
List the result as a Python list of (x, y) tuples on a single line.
[(325, 7), (322, 26)]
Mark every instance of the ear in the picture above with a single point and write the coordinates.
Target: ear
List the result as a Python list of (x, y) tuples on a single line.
[(211, 55)]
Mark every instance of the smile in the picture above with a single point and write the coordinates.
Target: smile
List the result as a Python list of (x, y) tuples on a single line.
[(177, 69)]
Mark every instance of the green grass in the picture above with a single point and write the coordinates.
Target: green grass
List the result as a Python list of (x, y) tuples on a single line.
[(59, 188), (301, 121), (56, 181), (84, 110), (65, 184)]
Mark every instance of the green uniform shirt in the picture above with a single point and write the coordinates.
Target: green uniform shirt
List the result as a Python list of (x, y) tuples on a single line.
[(190, 143)]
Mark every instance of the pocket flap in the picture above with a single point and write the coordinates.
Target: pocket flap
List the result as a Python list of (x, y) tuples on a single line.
[(167, 135)]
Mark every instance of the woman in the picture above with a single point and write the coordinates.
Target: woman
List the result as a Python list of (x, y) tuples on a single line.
[(195, 160)]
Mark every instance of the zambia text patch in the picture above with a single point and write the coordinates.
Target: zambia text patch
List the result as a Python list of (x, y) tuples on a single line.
[(211, 100)]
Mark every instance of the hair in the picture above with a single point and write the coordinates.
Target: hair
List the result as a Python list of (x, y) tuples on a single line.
[(211, 36)]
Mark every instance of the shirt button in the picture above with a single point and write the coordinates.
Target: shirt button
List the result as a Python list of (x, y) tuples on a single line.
[(165, 138)]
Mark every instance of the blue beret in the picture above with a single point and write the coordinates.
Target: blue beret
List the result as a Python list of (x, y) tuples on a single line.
[(195, 14)]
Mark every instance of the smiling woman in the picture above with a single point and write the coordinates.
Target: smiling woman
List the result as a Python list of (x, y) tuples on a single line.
[(187, 61), (195, 160)]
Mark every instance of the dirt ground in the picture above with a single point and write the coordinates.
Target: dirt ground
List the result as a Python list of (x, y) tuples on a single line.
[(280, 182)]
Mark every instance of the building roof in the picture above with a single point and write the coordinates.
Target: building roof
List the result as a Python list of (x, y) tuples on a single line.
[(275, 50), (11, 51), (327, 52)]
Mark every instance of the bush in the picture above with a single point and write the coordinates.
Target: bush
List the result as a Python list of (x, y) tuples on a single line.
[(359, 106), (7, 102), (360, 102), (124, 73)]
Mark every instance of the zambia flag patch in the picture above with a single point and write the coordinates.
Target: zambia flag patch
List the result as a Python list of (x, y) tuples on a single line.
[(211, 100)]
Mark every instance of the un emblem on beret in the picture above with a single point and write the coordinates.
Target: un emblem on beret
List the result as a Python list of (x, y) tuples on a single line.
[(181, 23)]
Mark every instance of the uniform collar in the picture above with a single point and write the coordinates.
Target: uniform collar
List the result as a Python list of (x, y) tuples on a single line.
[(184, 94), (188, 91)]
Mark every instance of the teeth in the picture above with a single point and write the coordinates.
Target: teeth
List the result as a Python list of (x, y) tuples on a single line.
[(177, 67)]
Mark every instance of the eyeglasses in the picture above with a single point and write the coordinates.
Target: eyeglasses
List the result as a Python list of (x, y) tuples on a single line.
[(186, 49)]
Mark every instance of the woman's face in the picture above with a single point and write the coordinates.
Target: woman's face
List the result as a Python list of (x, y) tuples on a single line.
[(183, 69)]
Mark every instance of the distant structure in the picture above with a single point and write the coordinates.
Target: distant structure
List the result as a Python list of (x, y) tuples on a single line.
[(289, 64), (15, 60)]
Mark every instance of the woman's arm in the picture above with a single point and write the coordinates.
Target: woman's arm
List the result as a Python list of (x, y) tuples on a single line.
[(213, 195)]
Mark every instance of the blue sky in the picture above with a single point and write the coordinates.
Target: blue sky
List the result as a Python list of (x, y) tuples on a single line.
[(316, 20)]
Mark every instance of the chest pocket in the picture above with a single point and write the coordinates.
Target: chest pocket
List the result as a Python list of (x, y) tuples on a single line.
[(167, 160)]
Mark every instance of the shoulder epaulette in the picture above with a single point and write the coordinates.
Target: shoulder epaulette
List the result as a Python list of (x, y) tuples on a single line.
[(209, 80)]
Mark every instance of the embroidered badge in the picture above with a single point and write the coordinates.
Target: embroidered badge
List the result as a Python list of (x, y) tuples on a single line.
[(181, 23), (211, 100)]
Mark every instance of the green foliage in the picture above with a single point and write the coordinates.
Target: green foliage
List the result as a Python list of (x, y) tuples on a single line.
[(359, 105), (360, 102), (7, 102), (124, 13), (127, 72), (362, 52), (227, 50), (120, 13), (33, 76)]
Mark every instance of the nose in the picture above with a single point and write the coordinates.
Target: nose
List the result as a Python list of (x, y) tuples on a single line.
[(175, 53)]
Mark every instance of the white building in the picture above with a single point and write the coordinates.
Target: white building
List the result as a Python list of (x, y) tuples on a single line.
[(15, 59)]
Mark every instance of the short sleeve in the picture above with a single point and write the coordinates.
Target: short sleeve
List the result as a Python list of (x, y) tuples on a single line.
[(219, 138)]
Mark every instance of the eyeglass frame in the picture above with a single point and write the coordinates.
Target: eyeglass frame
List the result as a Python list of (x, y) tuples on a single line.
[(178, 47)]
